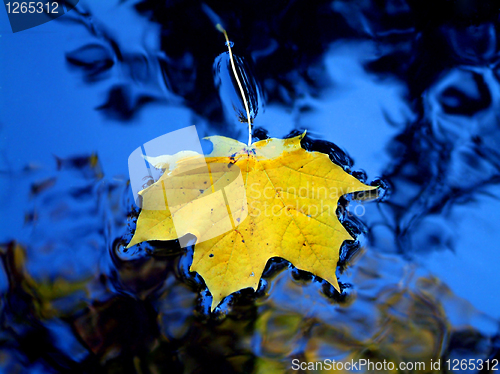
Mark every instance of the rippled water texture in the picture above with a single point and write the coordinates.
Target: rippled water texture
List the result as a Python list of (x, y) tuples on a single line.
[(403, 94)]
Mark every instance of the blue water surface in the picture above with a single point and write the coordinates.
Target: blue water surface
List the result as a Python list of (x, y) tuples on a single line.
[(403, 100)]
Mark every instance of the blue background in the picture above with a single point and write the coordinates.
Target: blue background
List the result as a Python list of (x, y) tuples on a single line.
[(413, 102)]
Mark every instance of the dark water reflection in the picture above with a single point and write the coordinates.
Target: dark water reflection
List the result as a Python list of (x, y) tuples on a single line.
[(407, 91)]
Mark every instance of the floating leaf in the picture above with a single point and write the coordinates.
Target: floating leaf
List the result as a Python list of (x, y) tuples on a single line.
[(270, 199)]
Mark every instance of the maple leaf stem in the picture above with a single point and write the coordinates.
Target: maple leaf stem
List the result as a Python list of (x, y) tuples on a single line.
[(242, 92)]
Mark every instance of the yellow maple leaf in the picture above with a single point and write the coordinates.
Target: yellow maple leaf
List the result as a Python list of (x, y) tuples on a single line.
[(288, 211)]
